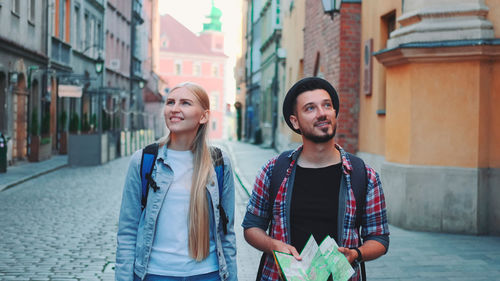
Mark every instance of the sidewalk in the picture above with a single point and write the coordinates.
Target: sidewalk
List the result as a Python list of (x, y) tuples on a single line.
[(27, 170), (412, 255)]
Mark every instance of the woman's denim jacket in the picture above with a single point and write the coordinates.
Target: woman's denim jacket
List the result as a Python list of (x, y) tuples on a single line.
[(136, 229)]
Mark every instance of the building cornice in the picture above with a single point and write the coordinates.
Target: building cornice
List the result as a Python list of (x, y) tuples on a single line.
[(17, 49), (444, 51)]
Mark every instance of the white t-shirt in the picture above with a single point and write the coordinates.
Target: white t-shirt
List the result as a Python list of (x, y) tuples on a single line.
[(170, 252)]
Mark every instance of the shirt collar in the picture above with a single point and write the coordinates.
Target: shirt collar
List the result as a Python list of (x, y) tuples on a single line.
[(346, 162)]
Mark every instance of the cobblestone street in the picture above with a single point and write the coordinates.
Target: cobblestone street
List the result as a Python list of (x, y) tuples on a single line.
[(62, 226)]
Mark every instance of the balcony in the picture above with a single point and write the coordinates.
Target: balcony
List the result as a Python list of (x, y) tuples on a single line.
[(137, 11), (60, 51)]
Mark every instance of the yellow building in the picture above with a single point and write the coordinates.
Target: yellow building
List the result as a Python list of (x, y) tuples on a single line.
[(292, 42), (427, 111)]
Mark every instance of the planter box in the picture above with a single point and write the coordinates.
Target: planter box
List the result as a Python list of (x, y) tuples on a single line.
[(39, 152), (87, 149), (63, 143)]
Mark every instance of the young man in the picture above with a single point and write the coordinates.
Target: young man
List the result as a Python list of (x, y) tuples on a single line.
[(316, 194)]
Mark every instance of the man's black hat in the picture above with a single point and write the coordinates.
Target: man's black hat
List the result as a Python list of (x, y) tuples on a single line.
[(304, 85)]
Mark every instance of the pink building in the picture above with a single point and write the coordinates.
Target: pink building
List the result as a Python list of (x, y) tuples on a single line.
[(185, 56)]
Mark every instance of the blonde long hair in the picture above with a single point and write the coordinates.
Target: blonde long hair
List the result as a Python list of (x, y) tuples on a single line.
[(199, 223)]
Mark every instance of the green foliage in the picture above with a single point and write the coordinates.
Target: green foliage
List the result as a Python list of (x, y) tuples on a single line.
[(106, 121), (34, 129), (85, 123), (74, 123), (46, 125), (116, 122), (45, 140), (93, 122), (62, 121)]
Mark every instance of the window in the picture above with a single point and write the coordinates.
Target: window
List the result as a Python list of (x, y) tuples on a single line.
[(62, 19), (77, 34), (86, 31), (178, 68), (214, 125), (214, 101), (388, 25), (31, 11), (99, 36), (215, 70), (197, 69), (15, 6)]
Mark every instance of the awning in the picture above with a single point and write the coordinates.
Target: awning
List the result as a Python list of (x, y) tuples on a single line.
[(70, 91)]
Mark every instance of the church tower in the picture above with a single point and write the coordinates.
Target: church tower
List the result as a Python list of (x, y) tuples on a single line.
[(211, 33)]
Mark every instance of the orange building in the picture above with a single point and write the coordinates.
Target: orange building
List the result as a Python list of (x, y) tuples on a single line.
[(427, 117), (185, 56)]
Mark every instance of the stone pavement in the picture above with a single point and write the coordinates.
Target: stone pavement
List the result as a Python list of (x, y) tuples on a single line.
[(412, 255), (62, 226)]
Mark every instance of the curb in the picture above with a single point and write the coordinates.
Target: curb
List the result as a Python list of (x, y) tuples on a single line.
[(243, 182), (12, 184)]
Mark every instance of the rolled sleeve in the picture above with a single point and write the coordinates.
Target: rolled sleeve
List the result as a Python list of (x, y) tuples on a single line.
[(257, 214), (375, 224)]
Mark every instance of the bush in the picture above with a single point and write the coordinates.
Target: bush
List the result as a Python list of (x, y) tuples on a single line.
[(116, 123), (93, 122), (34, 129), (85, 123), (46, 125), (62, 121), (74, 123), (106, 121)]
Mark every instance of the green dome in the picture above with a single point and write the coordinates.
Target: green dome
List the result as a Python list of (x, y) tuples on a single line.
[(214, 17)]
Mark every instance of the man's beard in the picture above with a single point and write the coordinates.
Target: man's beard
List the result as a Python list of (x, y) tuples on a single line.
[(322, 138)]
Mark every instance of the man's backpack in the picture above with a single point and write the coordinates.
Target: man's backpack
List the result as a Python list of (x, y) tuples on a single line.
[(148, 160), (359, 182)]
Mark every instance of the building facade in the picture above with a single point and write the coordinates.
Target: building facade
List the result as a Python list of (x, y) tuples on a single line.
[(294, 15), (264, 65), (331, 51), (240, 78), (24, 98), (427, 115), (185, 56)]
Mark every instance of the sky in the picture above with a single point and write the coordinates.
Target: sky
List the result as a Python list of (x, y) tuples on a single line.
[(192, 14)]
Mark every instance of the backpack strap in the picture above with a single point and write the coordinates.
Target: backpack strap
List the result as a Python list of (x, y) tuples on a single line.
[(148, 159), (219, 170), (359, 184), (278, 174)]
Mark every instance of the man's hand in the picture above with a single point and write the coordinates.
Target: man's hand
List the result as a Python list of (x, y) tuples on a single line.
[(259, 239), (351, 255), (370, 250), (285, 248)]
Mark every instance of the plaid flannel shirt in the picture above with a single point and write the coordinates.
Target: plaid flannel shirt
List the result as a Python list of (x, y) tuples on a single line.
[(374, 222)]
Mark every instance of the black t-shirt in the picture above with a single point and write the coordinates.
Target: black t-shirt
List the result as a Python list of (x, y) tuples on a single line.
[(314, 206)]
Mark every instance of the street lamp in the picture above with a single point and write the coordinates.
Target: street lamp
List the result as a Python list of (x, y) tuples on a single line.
[(141, 84), (331, 6), (99, 64)]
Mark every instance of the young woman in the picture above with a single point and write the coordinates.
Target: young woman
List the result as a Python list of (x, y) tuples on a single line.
[(179, 235)]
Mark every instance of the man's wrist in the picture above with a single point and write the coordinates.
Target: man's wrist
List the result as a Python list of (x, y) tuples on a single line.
[(358, 259)]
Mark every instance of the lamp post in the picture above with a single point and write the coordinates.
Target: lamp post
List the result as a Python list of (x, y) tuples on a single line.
[(99, 64), (331, 6)]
